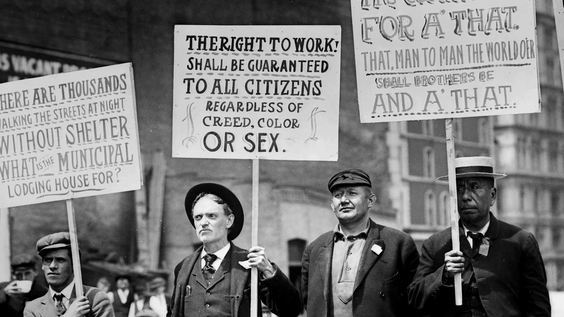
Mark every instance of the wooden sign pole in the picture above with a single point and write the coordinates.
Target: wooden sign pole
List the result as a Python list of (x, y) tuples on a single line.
[(74, 249), (254, 236), (451, 155)]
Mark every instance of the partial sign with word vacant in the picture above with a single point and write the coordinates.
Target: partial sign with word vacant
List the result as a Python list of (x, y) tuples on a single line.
[(421, 59), (68, 135), (246, 92)]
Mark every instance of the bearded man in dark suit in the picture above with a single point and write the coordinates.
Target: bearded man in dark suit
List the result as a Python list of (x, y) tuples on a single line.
[(502, 269)]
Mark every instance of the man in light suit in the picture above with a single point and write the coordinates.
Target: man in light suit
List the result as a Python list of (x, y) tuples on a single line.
[(61, 299), (502, 269), (215, 280), (360, 268)]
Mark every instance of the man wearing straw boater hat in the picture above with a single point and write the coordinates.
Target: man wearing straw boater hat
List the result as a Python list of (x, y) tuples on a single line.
[(215, 280), (61, 299), (502, 269)]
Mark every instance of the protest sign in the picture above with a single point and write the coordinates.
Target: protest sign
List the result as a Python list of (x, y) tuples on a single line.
[(429, 59), (246, 92), (68, 135)]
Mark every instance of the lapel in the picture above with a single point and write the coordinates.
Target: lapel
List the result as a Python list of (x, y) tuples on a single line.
[(223, 269), (325, 258), (190, 268), (368, 258), (239, 275), (464, 244), (49, 305), (493, 230)]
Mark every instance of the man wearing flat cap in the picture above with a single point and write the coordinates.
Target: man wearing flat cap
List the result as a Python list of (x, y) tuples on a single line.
[(61, 299), (24, 286), (215, 280), (360, 268), (502, 269)]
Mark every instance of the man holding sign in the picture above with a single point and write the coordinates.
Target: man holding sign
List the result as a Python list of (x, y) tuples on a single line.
[(502, 269), (61, 299), (215, 280), (360, 268)]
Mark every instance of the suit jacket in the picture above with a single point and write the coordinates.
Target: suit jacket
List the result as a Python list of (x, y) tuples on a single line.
[(381, 280), (511, 279), (277, 292), (44, 306)]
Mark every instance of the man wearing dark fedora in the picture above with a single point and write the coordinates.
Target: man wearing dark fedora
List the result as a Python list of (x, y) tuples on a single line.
[(215, 280), (502, 269), (359, 268), (61, 298)]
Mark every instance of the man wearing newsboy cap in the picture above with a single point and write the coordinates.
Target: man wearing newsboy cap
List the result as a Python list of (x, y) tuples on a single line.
[(61, 299), (215, 280), (23, 288), (502, 269), (360, 268)]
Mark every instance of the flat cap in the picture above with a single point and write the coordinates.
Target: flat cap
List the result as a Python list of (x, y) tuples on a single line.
[(349, 177), (58, 240), (23, 261)]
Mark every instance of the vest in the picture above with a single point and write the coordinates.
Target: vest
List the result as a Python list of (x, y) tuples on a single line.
[(213, 300), (120, 309)]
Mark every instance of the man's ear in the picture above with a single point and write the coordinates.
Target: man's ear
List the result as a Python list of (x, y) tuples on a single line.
[(371, 200), (493, 193), (230, 220)]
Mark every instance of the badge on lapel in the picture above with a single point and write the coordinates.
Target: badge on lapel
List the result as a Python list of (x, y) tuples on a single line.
[(245, 264), (377, 249), (485, 246)]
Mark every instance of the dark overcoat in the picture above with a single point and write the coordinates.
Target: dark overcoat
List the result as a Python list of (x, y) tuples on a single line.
[(511, 278), (387, 265)]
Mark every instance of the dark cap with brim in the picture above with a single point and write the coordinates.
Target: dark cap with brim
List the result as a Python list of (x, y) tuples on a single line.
[(59, 240), (23, 261), (227, 196), (350, 177)]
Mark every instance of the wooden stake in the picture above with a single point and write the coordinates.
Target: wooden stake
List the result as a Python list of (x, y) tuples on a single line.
[(74, 249), (254, 237), (451, 155)]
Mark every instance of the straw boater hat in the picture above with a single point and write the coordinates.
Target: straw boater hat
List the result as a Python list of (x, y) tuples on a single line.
[(473, 166), (227, 196)]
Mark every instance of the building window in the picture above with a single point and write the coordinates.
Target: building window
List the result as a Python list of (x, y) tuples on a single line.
[(551, 114), (553, 153), (549, 69), (429, 162), (457, 129), (296, 249), (522, 199), (556, 238), (443, 216), (555, 203), (484, 130), (427, 126), (430, 208), (536, 202), (536, 149)]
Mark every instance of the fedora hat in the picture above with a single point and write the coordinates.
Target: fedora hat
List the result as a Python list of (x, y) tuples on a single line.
[(227, 196), (473, 166)]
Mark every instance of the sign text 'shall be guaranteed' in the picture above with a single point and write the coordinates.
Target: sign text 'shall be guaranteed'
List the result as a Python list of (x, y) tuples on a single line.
[(247, 92), (428, 59), (68, 135)]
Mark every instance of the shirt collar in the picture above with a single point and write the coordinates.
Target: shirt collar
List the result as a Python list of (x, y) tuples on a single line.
[(338, 234), (67, 291), (482, 231), (221, 253)]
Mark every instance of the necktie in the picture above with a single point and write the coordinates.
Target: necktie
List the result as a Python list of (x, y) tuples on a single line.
[(61, 309), (476, 240), (208, 269)]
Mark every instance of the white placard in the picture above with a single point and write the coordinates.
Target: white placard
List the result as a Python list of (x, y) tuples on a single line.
[(429, 59), (68, 135), (249, 92)]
